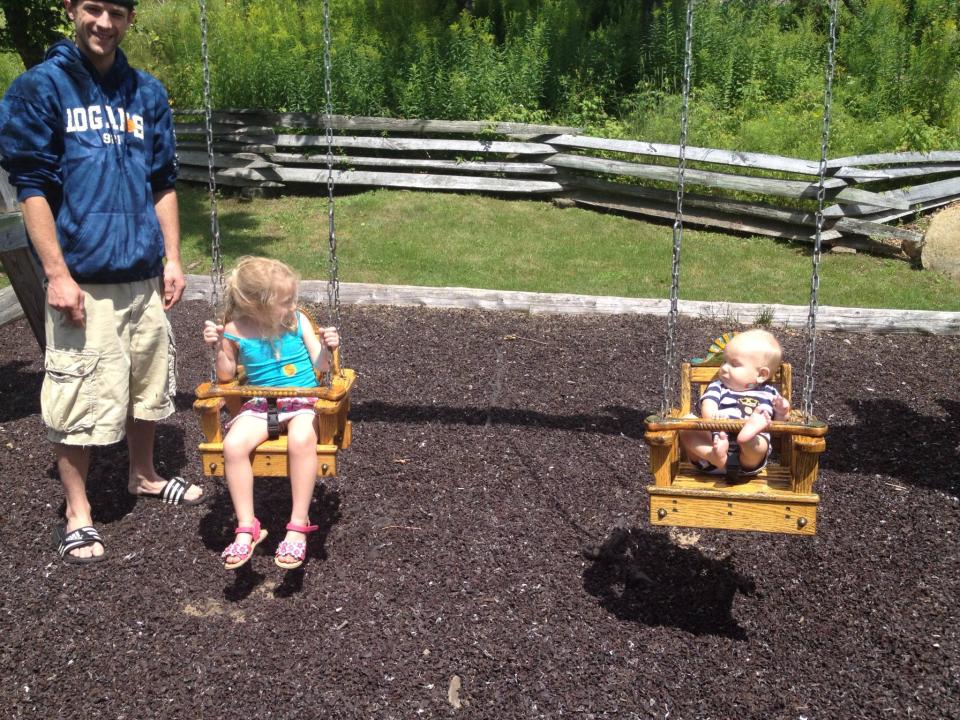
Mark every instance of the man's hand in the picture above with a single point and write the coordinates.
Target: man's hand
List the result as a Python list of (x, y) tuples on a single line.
[(65, 295), (173, 284)]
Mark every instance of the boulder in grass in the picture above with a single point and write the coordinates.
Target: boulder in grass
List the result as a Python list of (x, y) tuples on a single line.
[(941, 247)]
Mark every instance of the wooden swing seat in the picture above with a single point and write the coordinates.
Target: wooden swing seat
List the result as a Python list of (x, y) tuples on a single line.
[(269, 459), (779, 499)]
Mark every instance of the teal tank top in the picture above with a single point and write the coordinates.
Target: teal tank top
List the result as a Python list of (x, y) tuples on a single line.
[(280, 362)]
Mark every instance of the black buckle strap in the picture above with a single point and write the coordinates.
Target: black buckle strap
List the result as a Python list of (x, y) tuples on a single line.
[(273, 421)]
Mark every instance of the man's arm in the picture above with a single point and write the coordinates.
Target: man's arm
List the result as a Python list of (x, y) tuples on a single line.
[(63, 293), (168, 213)]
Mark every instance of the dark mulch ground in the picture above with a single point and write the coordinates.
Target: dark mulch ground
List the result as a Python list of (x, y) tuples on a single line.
[(489, 524)]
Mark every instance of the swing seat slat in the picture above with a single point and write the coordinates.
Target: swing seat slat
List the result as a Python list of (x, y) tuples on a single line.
[(269, 459), (765, 503)]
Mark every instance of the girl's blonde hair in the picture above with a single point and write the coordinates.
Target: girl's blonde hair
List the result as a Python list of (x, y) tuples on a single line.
[(254, 287)]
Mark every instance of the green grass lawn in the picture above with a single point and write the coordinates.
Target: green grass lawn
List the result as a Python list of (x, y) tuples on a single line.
[(410, 238)]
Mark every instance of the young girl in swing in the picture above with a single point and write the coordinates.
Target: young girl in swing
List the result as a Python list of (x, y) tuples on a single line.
[(276, 344)]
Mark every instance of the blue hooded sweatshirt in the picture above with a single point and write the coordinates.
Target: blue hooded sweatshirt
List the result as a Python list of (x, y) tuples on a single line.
[(98, 148)]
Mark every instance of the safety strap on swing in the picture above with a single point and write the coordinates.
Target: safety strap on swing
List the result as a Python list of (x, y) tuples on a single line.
[(273, 419)]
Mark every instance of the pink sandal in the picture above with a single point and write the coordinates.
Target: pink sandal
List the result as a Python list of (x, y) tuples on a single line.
[(243, 550), (296, 549)]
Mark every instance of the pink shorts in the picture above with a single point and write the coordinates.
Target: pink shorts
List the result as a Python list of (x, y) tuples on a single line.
[(286, 408)]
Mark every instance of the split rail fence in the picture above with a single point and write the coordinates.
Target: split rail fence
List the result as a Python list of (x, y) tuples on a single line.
[(754, 193), (745, 192)]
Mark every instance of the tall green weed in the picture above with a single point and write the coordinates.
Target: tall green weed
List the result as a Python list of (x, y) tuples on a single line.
[(608, 65), (10, 67)]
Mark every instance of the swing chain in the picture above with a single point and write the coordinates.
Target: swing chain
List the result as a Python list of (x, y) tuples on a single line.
[(669, 374), (333, 287), (808, 372), (216, 265)]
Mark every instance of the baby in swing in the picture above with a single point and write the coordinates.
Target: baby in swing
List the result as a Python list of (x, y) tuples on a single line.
[(742, 391), (263, 331)]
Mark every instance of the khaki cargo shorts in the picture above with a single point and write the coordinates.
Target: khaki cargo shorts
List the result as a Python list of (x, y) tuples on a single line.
[(121, 364)]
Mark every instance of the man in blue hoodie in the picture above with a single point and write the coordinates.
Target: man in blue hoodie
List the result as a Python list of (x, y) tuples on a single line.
[(88, 143)]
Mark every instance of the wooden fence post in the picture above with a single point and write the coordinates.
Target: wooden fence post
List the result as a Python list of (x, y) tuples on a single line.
[(26, 275)]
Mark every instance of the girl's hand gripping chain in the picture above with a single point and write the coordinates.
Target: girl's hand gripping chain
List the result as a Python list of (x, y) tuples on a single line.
[(212, 333), (225, 362), (330, 338)]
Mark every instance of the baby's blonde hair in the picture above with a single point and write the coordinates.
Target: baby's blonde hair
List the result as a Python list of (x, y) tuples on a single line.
[(764, 343), (253, 288)]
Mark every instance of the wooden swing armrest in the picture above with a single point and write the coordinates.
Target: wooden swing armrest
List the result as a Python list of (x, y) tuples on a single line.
[(211, 404), (342, 381), (209, 410), (209, 390), (664, 453), (807, 444), (808, 428), (660, 437)]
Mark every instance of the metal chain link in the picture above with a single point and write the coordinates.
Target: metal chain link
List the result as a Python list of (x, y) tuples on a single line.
[(809, 367), (216, 264), (669, 370), (333, 287)]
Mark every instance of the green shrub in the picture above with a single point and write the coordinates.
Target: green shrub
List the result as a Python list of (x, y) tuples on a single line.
[(10, 67), (611, 66)]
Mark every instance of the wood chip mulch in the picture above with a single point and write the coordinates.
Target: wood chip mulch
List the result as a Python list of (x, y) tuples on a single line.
[(485, 551)]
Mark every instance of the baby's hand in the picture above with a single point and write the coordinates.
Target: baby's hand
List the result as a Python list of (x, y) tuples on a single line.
[(330, 337), (781, 407), (212, 333)]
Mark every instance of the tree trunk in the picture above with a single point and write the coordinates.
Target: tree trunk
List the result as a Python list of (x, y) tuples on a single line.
[(31, 26)]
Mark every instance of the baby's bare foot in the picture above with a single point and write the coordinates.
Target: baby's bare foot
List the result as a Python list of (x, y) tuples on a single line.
[(718, 455), (756, 424)]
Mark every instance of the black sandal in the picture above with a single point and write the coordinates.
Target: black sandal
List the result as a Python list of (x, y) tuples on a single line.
[(85, 536), (174, 493)]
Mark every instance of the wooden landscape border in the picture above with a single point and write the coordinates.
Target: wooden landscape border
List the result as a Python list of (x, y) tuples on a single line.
[(829, 318)]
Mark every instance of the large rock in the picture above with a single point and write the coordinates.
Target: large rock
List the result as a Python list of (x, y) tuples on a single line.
[(941, 248)]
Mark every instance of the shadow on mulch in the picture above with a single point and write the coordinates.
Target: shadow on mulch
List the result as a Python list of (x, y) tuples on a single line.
[(20, 389), (272, 500), (107, 480), (184, 400), (479, 590), (643, 577), (619, 420), (913, 453)]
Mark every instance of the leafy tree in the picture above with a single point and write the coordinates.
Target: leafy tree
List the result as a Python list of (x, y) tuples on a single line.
[(31, 27)]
